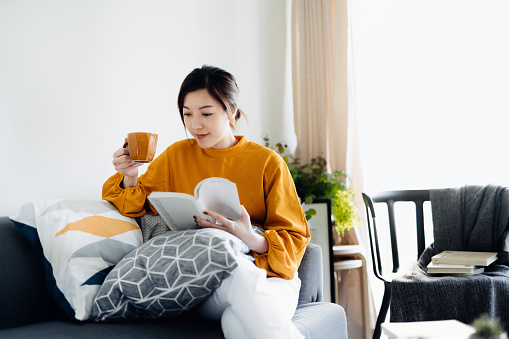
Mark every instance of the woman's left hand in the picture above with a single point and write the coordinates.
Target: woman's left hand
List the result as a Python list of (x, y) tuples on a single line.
[(241, 228)]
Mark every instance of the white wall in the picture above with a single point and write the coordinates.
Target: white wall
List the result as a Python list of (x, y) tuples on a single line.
[(76, 76)]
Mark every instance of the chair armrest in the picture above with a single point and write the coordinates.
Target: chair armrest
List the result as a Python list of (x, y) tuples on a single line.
[(322, 320), (311, 275)]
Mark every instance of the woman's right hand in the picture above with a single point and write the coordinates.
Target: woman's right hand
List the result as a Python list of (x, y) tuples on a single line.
[(124, 165)]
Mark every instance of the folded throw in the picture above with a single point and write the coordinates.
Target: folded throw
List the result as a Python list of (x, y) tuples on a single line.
[(468, 218)]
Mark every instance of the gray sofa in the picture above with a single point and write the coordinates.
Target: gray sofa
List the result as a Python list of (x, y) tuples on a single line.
[(27, 310)]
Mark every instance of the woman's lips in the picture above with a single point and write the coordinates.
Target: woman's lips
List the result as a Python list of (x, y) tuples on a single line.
[(201, 136)]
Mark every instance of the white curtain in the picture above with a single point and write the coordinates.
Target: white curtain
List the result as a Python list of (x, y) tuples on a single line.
[(325, 114)]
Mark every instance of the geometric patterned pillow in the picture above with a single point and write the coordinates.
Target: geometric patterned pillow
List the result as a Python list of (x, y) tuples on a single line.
[(168, 274), (79, 241)]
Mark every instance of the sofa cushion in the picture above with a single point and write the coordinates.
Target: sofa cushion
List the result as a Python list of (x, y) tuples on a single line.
[(79, 242), (168, 274), (321, 320)]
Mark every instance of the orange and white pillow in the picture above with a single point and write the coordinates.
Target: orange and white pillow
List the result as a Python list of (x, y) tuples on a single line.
[(81, 241)]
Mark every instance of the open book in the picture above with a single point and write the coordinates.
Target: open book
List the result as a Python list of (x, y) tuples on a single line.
[(214, 194)]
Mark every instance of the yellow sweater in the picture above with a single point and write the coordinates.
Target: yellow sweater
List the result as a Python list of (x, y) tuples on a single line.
[(265, 186)]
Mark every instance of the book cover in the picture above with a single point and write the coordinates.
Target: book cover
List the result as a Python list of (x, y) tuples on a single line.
[(465, 258), (434, 268), (215, 194)]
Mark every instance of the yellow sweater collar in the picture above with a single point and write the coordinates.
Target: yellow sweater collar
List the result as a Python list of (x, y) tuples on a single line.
[(230, 151)]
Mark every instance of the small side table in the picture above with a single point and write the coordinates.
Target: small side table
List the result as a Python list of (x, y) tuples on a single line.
[(348, 257)]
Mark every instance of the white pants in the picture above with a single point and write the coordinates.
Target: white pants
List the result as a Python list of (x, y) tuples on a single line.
[(250, 305)]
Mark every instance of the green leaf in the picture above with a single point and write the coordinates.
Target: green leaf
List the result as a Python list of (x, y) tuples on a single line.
[(313, 181), (309, 213)]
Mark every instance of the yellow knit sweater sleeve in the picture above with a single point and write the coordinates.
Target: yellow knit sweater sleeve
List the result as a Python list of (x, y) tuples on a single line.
[(286, 228), (132, 202)]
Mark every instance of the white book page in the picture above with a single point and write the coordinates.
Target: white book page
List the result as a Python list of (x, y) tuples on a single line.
[(176, 210), (435, 265), (219, 195)]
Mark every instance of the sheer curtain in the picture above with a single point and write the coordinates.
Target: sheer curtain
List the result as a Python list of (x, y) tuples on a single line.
[(323, 86), (319, 80), (325, 112)]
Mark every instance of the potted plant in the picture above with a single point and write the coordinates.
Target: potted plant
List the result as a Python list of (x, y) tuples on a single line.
[(487, 328), (312, 181)]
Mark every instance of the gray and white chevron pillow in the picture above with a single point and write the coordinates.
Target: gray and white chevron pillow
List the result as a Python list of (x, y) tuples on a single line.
[(167, 275)]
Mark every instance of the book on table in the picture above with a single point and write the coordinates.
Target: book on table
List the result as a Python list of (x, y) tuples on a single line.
[(437, 329), (453, 269), (214, 194), (465, 258)]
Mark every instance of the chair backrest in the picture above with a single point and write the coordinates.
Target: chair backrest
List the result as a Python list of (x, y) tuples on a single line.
[(390, 198)]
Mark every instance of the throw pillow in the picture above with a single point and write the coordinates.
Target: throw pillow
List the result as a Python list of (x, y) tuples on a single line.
[(79, 242), (168, 275)]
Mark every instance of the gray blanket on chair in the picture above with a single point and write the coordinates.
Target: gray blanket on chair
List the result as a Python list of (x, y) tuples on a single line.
[(470, 218)]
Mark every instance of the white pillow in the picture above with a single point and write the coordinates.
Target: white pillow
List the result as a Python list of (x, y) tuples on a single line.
[(81, 240)]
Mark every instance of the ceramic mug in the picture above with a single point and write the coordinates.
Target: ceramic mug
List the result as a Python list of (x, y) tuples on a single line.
[(142, 146)]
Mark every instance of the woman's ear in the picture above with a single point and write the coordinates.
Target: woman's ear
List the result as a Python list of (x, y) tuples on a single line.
[(232, 118)]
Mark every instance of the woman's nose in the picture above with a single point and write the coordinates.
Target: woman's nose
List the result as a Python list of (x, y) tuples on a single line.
[(196, 123)]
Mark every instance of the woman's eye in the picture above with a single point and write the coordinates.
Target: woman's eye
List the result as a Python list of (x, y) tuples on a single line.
[(187, 114), (207, 114)]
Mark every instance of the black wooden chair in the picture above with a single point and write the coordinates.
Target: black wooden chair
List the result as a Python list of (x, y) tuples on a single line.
[(390, 198)]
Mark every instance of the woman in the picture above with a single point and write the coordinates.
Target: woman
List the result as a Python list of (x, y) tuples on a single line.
[(258, 300)]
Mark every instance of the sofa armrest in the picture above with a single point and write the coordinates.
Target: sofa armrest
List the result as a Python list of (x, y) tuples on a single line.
[(23, 295), (311, 275)]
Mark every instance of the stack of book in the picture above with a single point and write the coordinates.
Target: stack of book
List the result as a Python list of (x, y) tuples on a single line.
[(460, 262)]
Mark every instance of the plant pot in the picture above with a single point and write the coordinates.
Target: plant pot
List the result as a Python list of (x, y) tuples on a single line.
[(350, 238)]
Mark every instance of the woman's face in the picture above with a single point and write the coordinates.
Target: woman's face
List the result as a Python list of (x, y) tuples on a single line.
[(207, 121)]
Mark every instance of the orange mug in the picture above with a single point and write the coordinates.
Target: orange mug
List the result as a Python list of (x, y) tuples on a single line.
[(142, 146)]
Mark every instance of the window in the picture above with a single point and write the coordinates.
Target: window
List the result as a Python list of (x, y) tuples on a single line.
[(432, 88)]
